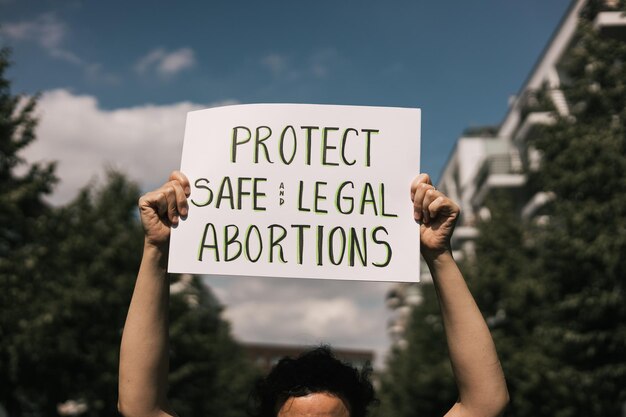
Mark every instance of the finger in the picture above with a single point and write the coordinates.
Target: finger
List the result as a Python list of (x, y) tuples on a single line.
[(169, 194), (430, 195), (443, 206), (418, 187), (181, 197), (182, 179), (418, 200), (154, 201), (420, 179)]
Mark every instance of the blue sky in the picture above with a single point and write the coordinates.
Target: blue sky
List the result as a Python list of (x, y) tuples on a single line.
[(117, 78), (458, 61)]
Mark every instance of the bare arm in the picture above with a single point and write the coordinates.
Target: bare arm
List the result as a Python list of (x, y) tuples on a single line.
[(477, 370), (475, 363), (144, 352)]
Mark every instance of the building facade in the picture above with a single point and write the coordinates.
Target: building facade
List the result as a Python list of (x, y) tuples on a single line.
[(498, 157)]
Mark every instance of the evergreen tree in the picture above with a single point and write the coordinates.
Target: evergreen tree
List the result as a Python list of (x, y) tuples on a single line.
[(511, 291), (562, 337), (560, 285), (23, 236), (582, 248), (98, 260), (553, 292), (209, 374), (66, 278), (418, 379)]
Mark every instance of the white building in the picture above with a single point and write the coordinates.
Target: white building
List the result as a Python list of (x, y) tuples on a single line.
[(480, 164), (495, 158)]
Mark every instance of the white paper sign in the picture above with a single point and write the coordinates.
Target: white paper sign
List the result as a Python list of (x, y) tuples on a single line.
[(300, 191)]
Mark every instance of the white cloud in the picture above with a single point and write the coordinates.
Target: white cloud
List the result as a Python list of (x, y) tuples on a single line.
[(47, 31), (275, 63), (50, 33), (144, 142), (292, 311), (312, 318), (322, 61), (319, 64), (166, 63)]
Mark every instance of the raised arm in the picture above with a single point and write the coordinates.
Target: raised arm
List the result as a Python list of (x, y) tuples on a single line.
[(477, 370), (144, 352)]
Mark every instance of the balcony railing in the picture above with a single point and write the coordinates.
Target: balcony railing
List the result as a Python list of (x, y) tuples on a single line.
[(508, 163), (535, 101), (611, 24), (532, 120), (593, 9), (502, 171)]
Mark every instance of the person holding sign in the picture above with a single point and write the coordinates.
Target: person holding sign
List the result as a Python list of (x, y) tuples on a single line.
[(144, 347)]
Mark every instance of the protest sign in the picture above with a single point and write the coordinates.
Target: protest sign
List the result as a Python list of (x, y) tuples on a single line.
[(301, 191)]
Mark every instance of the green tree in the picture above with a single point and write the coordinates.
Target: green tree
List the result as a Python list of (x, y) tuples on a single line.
[(83, 292), (23, 235), (582, 248), (418, 380), (560, 285), (511, 293), (553, 292), (210, 376), (99, 257), (94, 261), (66, 277), (562, 339)]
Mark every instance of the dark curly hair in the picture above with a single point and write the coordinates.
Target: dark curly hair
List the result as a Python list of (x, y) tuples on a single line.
[(312, 372)]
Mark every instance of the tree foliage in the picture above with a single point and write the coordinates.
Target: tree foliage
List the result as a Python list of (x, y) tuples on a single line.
[(418, 380), (581, 249), (23, 237), (209, 375), (66, 278), (552, 291)]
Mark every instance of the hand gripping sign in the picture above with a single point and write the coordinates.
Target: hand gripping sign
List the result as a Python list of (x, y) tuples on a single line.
[(301, 191)]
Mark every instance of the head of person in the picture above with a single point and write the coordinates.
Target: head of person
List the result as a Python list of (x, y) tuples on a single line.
[(314, 383)]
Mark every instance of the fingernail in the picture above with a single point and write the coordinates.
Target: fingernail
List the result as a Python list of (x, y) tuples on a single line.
[(183, 211), (175, 219), (187, 191)]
